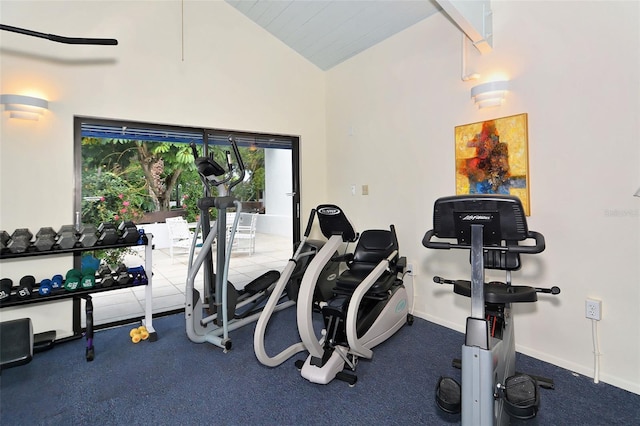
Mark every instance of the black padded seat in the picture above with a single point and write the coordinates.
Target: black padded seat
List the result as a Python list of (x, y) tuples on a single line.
[(373, 246), (16, 342)]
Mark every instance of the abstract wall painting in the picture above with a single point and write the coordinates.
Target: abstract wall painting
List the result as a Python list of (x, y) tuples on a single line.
[(492, 158)]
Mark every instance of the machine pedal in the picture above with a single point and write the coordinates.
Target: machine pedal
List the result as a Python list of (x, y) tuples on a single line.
[(448, 395), (521, 396)]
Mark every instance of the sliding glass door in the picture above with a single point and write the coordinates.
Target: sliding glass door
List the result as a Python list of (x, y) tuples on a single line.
[(145, 172)]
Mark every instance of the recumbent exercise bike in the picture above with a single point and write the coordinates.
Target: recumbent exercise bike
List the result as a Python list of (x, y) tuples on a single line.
[(492, 228), (368, 303)]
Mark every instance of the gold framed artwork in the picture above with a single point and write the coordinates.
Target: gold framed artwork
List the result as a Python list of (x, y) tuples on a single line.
[(492, 158)]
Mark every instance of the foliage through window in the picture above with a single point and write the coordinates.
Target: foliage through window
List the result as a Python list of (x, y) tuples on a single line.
[(125, 179)]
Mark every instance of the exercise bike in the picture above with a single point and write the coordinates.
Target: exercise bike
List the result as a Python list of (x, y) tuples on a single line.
[(228, 308), (368, 303), (492, 228)]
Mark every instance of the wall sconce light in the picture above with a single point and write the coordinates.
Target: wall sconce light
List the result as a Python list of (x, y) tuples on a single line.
[(637, 194), (489, 94), (25, 107)]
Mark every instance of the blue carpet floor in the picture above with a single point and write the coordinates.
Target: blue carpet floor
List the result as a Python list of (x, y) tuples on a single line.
[(177, 382)]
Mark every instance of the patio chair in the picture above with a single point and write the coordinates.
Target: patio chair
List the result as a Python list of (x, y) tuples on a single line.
[(180, 236), (245, 237)]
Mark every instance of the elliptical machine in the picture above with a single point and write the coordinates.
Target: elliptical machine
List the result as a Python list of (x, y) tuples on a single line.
[(228, 308), (368, 303), (492, 228), (289, 283)]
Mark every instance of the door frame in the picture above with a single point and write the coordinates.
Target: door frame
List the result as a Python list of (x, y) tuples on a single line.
[(260, 139)]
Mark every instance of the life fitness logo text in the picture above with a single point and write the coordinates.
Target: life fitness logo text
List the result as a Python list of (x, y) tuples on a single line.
[(476, 217), (329, 211)]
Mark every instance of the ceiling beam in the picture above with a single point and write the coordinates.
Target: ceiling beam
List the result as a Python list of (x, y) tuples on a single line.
[(474, 18)]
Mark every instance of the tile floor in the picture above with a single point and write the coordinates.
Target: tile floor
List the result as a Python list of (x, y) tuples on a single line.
[(169, 279)]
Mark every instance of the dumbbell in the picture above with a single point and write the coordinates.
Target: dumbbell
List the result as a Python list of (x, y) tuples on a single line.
[(138, 334), (122, 275), (129, 232), (45, 239), (139, 275), (88, 236), (142, 238), (56, 282), (4, 239), (5, 289), (104, 273), (67, 237), (45, 289), (25, 288), (72, 280), (88, 279), (108, 234), (20, 240)]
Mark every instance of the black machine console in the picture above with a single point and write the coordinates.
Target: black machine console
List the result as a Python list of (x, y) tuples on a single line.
[(334, 222), (504, 226)]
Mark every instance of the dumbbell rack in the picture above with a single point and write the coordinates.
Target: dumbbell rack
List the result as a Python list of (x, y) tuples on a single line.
[(80, 294)]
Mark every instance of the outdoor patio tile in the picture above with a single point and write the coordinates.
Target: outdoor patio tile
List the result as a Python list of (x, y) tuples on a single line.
[(169, 280)]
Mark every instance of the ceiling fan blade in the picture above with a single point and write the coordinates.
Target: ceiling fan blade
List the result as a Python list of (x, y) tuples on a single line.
[(61, 39)]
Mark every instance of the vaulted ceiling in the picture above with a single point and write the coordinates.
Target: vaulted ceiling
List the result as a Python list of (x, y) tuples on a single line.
[(328, 32)]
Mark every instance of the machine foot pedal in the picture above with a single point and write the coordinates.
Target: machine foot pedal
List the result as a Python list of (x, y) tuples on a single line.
[(521, 396), (351, 379), (448, 392), (262, 282)]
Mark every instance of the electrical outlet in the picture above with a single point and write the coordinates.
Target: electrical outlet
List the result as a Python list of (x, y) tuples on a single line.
[(409, 269), (593, 309)]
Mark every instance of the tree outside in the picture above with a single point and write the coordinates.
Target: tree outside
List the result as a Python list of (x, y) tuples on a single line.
[(124, 179)]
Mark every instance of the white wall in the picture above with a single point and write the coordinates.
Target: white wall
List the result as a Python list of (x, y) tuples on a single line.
[(574, 68), (234, 76)]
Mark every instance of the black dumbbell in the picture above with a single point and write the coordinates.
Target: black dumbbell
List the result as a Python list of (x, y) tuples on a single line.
[(5, 289), (129, 232), (4, 239), (20, 240), (45, 239), (122, 275), (25, 289), (67, 238), (88, 236), (108, 234), (104, 274)]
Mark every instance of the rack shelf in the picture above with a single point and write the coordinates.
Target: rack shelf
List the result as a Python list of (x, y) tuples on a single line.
[(59, 294)]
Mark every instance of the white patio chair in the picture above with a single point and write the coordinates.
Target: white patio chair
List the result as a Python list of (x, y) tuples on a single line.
[(180, 236), (245, 237)]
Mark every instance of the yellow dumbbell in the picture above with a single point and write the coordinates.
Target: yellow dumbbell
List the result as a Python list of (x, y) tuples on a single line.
[(144, 334), (135, 335)]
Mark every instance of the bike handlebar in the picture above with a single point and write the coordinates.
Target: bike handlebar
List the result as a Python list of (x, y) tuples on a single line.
[(539, 246)]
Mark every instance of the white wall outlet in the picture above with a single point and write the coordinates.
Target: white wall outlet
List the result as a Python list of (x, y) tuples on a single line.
[(365, 189), (409, 269), (593, 309)]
